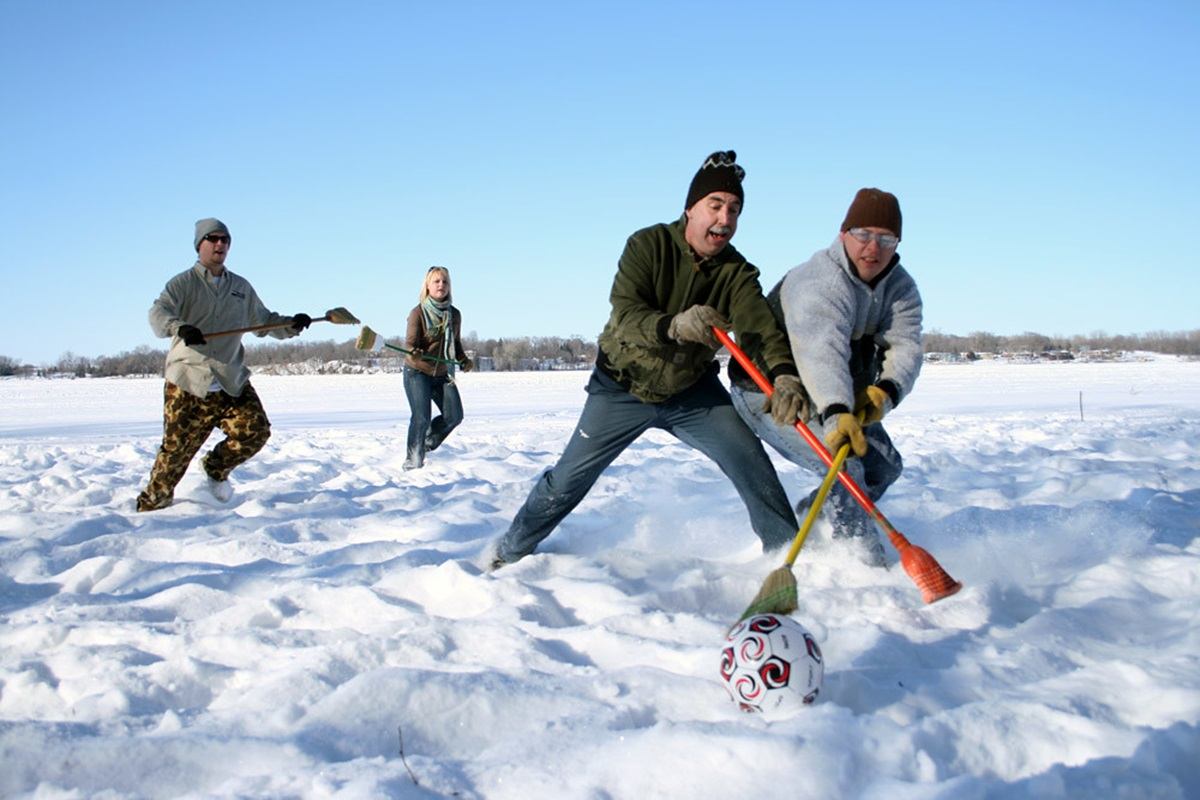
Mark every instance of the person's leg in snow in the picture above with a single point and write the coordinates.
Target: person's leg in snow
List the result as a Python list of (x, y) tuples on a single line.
[(418, 387), (448, 401), (187, 422), (246, 428), (611, 420), (703, 417)]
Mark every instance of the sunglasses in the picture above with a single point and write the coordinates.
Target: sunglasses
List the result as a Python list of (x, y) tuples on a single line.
[(217, 238)]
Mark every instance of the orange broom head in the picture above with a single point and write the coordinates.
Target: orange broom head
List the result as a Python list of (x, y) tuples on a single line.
[(933, 581)]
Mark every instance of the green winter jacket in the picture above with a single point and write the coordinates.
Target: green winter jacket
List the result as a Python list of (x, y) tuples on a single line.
[(658, 277), (191, 299)]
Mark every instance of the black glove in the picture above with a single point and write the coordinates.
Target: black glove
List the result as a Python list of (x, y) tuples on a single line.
[(191, 335), (301, 321)]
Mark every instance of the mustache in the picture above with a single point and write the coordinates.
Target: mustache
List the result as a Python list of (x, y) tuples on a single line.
[(721, 230)]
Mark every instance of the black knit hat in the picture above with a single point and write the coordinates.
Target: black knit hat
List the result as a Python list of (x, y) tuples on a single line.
[(874, 208), (718, 173)]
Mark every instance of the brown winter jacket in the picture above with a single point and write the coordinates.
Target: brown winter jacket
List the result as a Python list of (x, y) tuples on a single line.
[(417, 338)]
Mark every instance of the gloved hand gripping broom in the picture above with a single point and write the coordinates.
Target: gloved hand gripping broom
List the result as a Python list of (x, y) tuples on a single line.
[(924, 570)]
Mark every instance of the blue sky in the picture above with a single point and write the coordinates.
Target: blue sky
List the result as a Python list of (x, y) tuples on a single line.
[(1043, 154)]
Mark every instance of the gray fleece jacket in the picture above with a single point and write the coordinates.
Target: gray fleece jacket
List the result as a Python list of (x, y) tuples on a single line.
[(830, 314), (191, 299)]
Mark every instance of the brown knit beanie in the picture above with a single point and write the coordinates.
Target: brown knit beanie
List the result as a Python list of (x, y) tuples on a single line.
[(873, 208), (209, 225), (719, 173)]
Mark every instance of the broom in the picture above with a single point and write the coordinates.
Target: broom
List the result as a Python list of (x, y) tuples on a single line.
[(338, 316), (368, 338), (924, 570), (779, 594)]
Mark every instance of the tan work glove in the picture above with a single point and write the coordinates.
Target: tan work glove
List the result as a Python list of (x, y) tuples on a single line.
[(788, 402), (842, 428), (467, 365), (696, 324), (872, 403)]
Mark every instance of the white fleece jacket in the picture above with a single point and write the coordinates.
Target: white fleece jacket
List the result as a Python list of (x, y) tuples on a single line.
[(826, 307), (191, 299)]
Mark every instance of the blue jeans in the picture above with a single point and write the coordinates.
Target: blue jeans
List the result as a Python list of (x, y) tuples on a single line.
[(424, 434), (874, 472), (612, 418)]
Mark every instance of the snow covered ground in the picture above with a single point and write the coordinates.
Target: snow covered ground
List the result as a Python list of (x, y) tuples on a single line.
[(279, 646)]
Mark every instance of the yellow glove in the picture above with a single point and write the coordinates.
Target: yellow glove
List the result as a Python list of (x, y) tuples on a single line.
[(872, 403), (842, 428)]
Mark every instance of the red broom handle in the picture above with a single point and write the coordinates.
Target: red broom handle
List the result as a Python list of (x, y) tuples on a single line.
[(897, 538)]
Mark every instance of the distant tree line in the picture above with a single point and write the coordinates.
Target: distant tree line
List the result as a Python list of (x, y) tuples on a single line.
[(140, 361), (1185, 343), (534, 352), (511, 354)]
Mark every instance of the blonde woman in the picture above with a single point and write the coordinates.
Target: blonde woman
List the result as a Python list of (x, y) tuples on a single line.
[(434, 339)]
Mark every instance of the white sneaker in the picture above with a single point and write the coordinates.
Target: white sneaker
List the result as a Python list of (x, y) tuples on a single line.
[(222, 490)]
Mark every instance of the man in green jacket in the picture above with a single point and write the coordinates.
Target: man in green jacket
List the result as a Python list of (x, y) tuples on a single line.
[(656, 366), (208, 384)]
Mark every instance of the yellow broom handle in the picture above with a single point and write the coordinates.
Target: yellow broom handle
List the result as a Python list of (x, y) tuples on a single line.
[(815, 508)]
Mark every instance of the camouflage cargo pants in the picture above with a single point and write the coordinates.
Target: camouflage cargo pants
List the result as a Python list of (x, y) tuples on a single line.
[(187, 422)]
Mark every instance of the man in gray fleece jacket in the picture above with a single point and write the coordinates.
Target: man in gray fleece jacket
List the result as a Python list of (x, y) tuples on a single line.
[(208, 384), (852, 314)]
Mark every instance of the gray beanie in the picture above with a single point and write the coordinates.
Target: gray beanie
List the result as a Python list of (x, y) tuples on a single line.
[(209, 225)]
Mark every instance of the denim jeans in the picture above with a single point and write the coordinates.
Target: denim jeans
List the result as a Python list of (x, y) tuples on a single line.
[(874, 472), (612, 418), (424, 434)]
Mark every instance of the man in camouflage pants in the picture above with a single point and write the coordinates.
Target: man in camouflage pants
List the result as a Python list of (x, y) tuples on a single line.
[(208, 384)]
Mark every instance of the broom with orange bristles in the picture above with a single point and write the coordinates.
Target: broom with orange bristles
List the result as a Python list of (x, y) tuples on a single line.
[(924, 570)]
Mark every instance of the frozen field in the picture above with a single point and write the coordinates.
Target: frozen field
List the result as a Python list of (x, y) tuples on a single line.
[(276, 646)]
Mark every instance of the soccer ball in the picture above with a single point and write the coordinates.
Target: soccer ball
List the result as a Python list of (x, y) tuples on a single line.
[(771, 664)]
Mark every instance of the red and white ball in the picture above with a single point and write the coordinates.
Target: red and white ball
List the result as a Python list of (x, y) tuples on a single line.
[(772, 664)]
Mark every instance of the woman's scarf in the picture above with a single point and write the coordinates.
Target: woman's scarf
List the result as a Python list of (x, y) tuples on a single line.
[(438, 318)]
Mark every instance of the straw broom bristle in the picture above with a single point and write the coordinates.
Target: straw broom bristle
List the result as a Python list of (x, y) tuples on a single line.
[(366, 339), (341, 316), (778, 595)]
